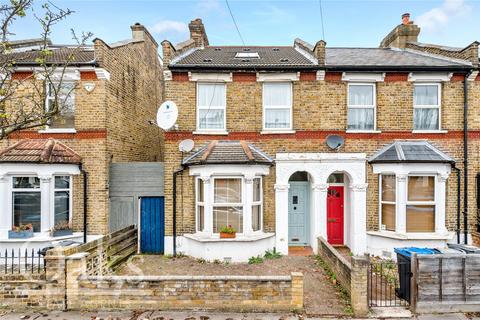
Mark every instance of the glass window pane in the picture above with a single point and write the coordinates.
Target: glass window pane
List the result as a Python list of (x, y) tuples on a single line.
[(277, 94), (421, 188), (201, 218), (420, 218), (335, 178), (425, 95), (388, 187), (361, 118), (211, 95), (62, 207), (228, 190), (227, 216), (388, 216), (66, 102), (257, 189), (425, 119), (26, 209), (211, 119), (256, 218), (62, 182), (360, 95), (200, 190), (277, 118), (26, 182)]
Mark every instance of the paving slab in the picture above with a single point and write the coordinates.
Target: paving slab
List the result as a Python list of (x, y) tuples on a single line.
[(448, 316), (391, 313)]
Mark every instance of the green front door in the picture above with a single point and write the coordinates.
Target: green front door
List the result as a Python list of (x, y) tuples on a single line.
[(298, 213)]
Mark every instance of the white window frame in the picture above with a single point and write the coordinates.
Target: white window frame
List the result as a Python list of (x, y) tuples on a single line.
[(437, 106), (49, 98), (228, 204), (70, 198), (258, 203), (23, 190), (224, 107), (198, 204), (264, 108), (424, 203), (381, 201), (353, 106)]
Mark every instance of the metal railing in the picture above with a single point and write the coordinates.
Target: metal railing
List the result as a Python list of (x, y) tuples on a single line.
[(21, 261), (384, 286)]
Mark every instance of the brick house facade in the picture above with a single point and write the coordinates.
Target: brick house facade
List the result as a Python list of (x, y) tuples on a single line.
[(117, 89), (235, 94)]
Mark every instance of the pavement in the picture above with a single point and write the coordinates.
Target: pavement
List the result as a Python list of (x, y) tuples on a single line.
[(197, 315)]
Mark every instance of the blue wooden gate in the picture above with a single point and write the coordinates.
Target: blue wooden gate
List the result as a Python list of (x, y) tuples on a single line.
[(152, 225)]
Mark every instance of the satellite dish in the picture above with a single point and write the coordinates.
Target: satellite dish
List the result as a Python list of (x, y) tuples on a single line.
[(186, 145), (167, 115), (334, 142)]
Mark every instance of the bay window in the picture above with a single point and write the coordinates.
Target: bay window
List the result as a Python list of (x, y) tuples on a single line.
[(388, 201), (64, 96), (277, 105), (361, 106), (227, 204), (211, 105), (421, 204), (426, 106), (26, 202), (62, 199), (200, 205), (257, 205)]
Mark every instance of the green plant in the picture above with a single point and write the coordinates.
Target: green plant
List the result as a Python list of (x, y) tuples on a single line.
[(201, 260), (272, 254), (255, 260), (228, 229), (64, 225), (22, 227), (216, 261)]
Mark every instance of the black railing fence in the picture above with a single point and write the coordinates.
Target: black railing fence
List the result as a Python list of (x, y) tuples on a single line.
[(21, 261), (385, 286)]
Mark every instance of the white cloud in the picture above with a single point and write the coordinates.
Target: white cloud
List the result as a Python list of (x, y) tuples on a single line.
[(437, 18), (207, 6), (165, 27)]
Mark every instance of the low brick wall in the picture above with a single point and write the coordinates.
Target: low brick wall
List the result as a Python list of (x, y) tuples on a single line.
[(27, 291), (353, 277), (476, 238)]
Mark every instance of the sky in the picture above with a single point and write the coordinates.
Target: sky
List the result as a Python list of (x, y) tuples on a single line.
[(347, 23)]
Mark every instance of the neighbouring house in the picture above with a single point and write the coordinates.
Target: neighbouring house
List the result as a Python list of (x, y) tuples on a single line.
[(113, 92), (261, 117)]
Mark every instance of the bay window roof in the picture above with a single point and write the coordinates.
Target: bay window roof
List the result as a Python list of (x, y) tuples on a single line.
[(39, 151), (227, 152), (410, 151)]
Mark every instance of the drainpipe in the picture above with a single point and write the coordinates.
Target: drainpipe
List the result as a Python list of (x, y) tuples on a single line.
[(459, 225), (465, 157), (85, 201), (174, 202)]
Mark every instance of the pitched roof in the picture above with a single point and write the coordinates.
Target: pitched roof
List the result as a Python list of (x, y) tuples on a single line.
[(410, 151), (285, 57), (224, 57), (39, 151), (227, 152), (60, 55)]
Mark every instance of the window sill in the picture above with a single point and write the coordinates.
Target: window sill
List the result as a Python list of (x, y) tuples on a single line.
[(210, 132), (430, 131), (277, 132), (240, 238), (363, 131), (66, 130), (45, 237), (412, 236)]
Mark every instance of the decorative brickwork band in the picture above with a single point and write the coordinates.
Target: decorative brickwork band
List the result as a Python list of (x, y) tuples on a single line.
[(22, 75), (333, 76), (244, 77), (88, 75), (180, 76)]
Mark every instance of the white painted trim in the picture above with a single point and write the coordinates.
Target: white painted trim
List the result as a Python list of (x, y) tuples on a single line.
[(430, 76), (210, 107), (102, 74), (210, 77), (278, 76), (473, 76), (373, 106), (211, 132), (429, 131), (67, 75), (57, 130), (167, 75), (270, 131), (363, 77), (437, 106), (320, 156), (277, 107), (363, 131), (321, 75)]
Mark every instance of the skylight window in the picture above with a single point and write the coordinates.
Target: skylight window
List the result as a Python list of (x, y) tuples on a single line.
[(247, 55)]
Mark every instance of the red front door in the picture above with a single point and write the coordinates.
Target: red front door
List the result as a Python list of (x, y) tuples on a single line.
[(335, 215)]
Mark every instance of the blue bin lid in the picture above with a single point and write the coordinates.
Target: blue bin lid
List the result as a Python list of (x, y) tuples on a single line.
[(407, 252)]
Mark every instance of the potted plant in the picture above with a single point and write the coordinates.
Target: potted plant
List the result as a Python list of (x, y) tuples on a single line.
[(21, 232), (227, 232), (61, 229)]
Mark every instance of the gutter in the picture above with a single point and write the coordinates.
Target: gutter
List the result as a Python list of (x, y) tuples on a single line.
[(85, 201)]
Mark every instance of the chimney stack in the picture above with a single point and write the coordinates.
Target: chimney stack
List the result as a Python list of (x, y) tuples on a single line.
[(197, 33), (140, 33), (319, 52), (402, 34)]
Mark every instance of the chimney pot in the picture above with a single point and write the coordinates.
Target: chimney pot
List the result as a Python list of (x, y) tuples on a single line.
[(406, 18)]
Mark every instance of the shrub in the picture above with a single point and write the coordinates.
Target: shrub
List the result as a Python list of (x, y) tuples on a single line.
[(255, 260)]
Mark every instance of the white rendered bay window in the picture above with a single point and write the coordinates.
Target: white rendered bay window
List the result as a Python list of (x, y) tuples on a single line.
[(388, 201), (277, 105), (211, 105), (227, 204), (200, 205), (257, 205), (361, 106), (426, 107)]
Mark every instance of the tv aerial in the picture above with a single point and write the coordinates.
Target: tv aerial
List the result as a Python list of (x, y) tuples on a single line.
[(335, 142), (167, 115)]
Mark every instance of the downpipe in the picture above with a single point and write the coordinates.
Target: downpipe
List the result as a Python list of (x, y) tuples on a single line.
[(459, 225), (174, 203), (85, 201)]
